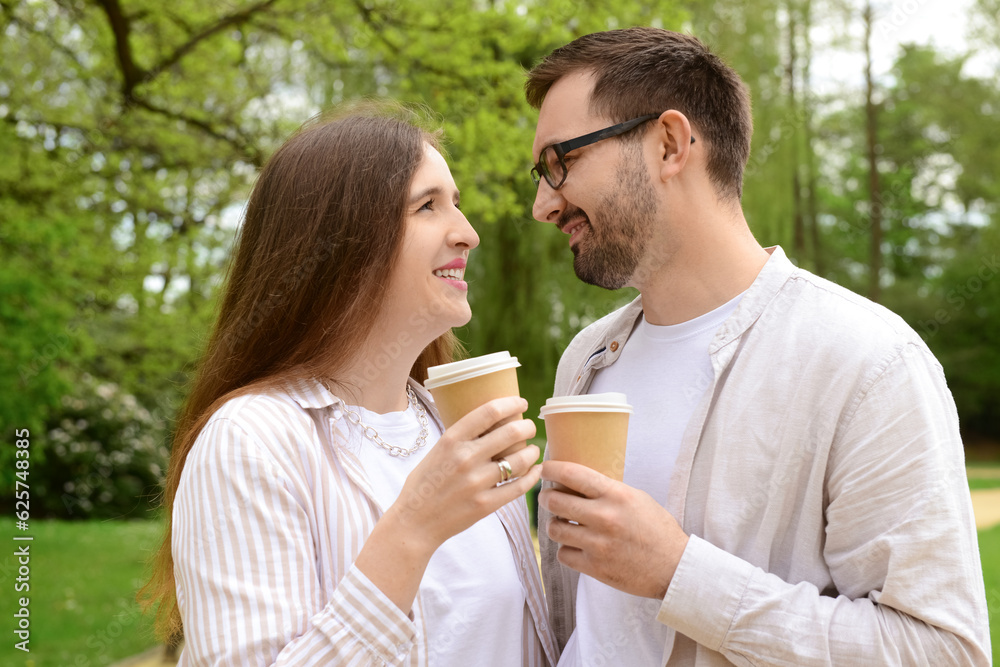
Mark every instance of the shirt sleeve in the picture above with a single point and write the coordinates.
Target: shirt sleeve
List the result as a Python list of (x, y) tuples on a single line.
[(249, 588), (900, 545)]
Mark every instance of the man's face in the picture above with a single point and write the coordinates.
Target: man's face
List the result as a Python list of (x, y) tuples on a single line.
[(607, 204)]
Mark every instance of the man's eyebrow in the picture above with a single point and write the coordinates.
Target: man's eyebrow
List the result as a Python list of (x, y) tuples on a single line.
[(546, 145)]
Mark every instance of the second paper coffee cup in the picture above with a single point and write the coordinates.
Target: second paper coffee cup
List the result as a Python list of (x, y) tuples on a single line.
[(589, 429)]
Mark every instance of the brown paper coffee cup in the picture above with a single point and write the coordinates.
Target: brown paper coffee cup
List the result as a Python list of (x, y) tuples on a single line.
[(590, 429), (461, 387)]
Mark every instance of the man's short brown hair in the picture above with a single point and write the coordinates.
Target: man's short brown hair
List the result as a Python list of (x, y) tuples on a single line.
[(640, 71)]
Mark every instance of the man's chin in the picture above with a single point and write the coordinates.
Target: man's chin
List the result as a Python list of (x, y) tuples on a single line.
[(598, 279)]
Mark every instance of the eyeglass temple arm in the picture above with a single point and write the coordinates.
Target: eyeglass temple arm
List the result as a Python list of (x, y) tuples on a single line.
[(592, 138)]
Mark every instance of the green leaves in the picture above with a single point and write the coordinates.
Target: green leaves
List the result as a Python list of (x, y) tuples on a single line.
[(132, 131)]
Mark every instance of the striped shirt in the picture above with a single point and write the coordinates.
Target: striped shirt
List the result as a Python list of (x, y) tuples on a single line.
[(268, 519)]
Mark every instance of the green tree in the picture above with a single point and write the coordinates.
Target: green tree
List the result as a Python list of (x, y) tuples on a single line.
[(134, 131), (936, 156), (138, 129), (744, 34)]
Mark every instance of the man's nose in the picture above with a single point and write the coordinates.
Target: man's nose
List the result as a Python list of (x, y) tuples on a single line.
[(549, 203)]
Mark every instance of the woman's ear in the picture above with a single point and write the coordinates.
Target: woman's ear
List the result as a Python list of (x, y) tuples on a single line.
[(673, 142)]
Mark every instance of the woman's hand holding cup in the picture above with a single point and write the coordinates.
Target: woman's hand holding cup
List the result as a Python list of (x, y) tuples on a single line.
[(457, 483)]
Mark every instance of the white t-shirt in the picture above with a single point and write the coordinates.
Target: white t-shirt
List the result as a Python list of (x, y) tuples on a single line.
[(471, 595), (664, 371)]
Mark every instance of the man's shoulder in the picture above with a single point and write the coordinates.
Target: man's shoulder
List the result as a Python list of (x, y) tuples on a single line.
[(826, 311)]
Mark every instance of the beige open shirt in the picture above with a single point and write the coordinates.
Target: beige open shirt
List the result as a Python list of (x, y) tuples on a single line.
[(822, 481)]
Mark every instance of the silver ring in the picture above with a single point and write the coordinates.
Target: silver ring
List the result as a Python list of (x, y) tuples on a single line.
[(506, 472)]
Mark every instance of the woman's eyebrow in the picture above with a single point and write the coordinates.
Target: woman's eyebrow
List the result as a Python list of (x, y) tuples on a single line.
[(434, 190), (424, 193)]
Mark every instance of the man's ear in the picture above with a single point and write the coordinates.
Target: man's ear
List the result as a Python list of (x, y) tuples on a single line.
[(673, 142)]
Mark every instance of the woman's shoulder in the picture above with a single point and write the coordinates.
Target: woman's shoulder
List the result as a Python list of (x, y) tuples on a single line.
[(263, 440), (274, 419), (259, 407)]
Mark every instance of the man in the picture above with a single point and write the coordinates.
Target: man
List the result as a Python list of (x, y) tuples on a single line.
[(794, 487)]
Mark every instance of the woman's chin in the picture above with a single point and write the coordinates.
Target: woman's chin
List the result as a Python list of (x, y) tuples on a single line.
[(461, 318)]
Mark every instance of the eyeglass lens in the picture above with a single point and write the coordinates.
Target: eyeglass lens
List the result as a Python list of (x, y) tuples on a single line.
[(552, 167)]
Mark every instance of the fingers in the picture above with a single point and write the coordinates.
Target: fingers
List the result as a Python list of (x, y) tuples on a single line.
[(566, 506), (486, 416), (519, 463), (501, 439), (579, 478), (624, 539), (566, 534), (517, 487), (574, 558)]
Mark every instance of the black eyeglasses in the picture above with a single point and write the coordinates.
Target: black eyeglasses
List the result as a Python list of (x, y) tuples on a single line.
[(551, 163)]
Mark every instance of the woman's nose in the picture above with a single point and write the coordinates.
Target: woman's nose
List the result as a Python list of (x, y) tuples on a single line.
[(463, 234)]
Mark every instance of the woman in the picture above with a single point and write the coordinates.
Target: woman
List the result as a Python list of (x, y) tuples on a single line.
[(319, 515)]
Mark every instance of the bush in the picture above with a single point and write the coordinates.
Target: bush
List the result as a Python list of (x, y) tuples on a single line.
[(105, 456)]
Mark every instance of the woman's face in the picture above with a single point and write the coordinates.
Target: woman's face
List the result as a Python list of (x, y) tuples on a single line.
[(428, 293)]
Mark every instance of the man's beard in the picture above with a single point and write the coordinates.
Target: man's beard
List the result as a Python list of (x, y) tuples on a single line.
[(607, 255)]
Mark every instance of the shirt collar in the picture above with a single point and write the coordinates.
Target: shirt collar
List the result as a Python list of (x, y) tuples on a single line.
[(765, 289), (312, 394), (766, 286)]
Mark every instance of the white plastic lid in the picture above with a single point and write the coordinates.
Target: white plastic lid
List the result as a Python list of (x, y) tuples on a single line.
[(469, 368), (611, 401)]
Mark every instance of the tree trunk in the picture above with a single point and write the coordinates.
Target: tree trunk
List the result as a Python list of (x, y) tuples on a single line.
[(812, 206), (874, 194), (798, 230)]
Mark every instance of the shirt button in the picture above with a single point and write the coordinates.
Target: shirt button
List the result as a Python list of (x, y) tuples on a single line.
[(614, 346)]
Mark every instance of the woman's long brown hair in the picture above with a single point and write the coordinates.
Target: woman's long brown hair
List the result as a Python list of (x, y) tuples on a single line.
[(324, 221)]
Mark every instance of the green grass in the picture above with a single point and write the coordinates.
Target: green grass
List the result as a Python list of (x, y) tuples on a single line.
[(83, 580), (983, 476), (989, 552)]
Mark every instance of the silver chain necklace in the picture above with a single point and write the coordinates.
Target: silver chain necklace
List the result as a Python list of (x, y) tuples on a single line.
[(373, 435)]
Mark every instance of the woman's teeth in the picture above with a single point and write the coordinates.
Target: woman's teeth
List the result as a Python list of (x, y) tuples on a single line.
[(453, 274)]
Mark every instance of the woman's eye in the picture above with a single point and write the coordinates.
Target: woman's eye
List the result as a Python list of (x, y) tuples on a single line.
[(428, 205)]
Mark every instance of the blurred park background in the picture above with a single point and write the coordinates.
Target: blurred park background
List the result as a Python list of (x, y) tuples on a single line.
[(132, 130)]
